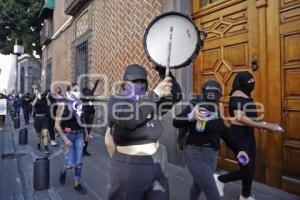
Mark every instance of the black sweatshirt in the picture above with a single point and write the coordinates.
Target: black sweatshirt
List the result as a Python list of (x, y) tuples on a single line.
[(210, 137), (136, 122)]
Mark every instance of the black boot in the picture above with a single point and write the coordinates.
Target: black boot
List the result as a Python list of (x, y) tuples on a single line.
[(85, 151), (80, 189), (62, 177), (47, 151)]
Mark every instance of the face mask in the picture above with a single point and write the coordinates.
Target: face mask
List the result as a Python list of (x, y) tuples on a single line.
[(133, 91), (73, 95), (76, 94), (212, 95)]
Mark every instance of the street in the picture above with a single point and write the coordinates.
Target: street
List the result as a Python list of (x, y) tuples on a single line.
[(16, 168)]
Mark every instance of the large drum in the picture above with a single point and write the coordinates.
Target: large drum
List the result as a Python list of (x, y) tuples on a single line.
[(172, 40)]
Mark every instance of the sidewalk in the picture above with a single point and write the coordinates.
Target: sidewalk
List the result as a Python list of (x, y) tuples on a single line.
[(17, 174)]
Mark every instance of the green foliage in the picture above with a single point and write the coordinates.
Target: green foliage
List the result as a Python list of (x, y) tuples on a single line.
[(20, 19)]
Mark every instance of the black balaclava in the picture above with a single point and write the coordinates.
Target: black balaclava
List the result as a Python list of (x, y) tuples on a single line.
[(243, 82), (212, 91)]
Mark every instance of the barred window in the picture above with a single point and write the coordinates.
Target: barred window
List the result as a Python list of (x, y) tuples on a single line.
[(81, 63)]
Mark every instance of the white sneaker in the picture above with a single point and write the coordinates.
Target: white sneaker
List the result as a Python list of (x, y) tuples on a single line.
[(220, 185), (91, 137), (244, 198), (53, 143)]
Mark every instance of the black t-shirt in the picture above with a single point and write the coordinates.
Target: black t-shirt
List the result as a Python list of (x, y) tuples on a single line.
[(69, 120), (41, 106), (210, 137), (244, 104), (26, 102)]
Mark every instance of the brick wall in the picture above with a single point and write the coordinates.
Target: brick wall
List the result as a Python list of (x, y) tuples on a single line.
[(118, 29), (116, 40), (59, 16)]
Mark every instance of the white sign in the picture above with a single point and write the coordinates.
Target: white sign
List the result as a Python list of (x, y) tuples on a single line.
[(3, 106), (18, 49)]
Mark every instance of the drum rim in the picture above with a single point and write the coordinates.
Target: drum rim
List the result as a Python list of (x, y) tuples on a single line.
[(198, 44)]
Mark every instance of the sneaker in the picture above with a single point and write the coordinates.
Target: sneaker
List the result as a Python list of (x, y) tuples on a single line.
[(62, 177), (53, 143), (246, 198), (47, 151), (91, 136), (80, 189), (220, 185)]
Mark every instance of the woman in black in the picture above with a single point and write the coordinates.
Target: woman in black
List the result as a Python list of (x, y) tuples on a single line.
[(88, 112), (138, 166), (41, 121), (26, 106), (241, 133), (205, 129)]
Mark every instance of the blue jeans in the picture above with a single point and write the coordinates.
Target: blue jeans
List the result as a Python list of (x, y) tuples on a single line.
[(73, 157)]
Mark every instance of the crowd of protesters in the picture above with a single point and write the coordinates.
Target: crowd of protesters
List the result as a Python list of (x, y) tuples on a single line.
[(133, 143)]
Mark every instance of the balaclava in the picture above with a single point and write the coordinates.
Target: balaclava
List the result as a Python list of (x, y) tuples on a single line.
[(131, 89), (244, 82)]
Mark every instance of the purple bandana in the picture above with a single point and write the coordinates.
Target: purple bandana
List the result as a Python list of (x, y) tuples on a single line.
[(133, 91), (76, 107)]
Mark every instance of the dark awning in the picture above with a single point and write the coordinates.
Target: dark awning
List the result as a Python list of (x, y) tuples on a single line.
[(47, 8)]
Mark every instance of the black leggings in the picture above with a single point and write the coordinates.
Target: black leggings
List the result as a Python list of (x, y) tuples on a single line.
[(51, 129), (243, 137)]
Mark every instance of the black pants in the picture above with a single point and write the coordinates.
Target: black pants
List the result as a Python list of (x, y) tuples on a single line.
[(51, 128), (243, 139), (202, 162), (26, 112), (89, 121), (139, 177)]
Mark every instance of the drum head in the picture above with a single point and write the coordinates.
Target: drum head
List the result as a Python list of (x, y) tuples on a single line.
[(185, 42)]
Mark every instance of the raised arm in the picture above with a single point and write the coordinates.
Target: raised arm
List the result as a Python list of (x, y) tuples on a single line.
[(166, 103)]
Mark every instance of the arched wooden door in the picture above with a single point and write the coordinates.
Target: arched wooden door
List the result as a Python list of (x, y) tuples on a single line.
[(232, 44)]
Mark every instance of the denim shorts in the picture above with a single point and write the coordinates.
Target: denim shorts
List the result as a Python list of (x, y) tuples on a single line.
[(73, 157)]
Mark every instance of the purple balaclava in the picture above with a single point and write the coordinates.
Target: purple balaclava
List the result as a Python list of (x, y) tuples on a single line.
[(135, 90), (135, 78)]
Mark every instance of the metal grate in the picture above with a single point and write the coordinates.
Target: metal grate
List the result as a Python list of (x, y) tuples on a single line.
[(81, 54), (81, 63)]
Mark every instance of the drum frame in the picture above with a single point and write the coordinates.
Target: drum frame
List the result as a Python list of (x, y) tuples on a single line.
[(199, 43)]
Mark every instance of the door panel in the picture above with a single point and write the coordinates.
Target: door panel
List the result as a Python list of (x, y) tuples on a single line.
[(232, 42), (290, 66)]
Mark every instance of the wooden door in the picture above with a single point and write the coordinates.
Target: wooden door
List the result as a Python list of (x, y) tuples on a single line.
[(231, 45), (290, 66)]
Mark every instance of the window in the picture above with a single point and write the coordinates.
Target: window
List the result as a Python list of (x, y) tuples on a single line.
[(81, 63), (207, 2)]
